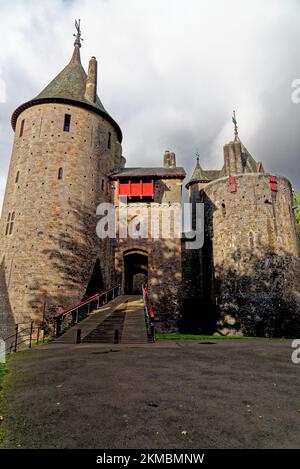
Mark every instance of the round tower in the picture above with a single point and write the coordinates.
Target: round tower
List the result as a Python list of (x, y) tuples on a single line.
[(250, 252), (65, 145)]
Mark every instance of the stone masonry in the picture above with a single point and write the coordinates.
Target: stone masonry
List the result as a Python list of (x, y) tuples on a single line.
[(250, 246), (67, 160)]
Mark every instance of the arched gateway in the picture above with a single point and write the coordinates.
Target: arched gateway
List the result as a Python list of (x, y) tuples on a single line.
[(135, 271)]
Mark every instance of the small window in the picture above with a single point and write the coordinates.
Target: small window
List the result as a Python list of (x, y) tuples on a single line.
[(102, 185), (22, 127), (67, 122), (10, 223), (109, 140), (223, 209), (60, 173), (7, 224), (17, 176), (251, 241)]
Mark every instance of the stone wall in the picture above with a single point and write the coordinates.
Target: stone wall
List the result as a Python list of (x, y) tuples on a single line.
[(164, 253), (49, 257), (251, 242)]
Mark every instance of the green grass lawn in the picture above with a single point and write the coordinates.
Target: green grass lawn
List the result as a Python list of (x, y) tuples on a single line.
[(177, 336)]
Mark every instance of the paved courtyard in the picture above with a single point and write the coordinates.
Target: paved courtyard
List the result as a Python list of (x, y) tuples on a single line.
[(188, 394)]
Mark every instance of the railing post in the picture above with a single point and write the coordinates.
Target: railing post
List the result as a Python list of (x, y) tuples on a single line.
[(98, 302), (31, 331), (152, 332), (78, 336), (89, 308), (38, 335), (77, 316), (58, 327), (16, 338)]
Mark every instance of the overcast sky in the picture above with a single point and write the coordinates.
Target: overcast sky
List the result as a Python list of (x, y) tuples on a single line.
[(170, 73)]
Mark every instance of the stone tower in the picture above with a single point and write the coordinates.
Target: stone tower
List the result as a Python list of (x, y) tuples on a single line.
[(65, 144), (250, 250), (148, 202)]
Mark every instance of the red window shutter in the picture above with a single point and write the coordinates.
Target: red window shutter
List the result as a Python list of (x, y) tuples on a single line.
[(232, 184), (273, 183), (273, 187), (136, 189)]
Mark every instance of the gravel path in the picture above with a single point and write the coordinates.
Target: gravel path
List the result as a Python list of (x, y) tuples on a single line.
[(225, 394)]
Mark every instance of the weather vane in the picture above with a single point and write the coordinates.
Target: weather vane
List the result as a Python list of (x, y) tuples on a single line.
[(78, 34), (236, 134)]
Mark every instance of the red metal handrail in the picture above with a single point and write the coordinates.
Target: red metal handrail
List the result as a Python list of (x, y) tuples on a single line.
[(149, 314), (150, 307), (88, 300)]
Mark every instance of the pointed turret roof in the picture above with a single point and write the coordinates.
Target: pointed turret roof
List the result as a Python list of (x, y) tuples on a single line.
[(249, 164), (69, 86), (198, 174), (202, 175)]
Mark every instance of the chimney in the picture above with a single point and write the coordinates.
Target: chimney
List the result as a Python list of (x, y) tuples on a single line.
[(169, 159), (172, 160), (91, 81), (233, 158), (166, 159)]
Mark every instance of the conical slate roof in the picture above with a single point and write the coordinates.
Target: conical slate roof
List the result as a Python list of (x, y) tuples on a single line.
[(68, 87), (250, 165), (198, 174), (70, 83), (202, 175)]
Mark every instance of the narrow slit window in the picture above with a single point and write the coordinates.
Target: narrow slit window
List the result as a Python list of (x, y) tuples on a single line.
[(17, 176), (22, 127), (11, 226), (251, 241), (109, 140), (7, 224), (67, 122), (102, 185), (60, 173)]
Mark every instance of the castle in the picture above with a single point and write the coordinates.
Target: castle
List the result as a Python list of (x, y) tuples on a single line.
[(67, 160)]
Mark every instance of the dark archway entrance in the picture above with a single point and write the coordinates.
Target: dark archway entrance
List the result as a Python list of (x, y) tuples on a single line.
[(95, 284), (136, 271)]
